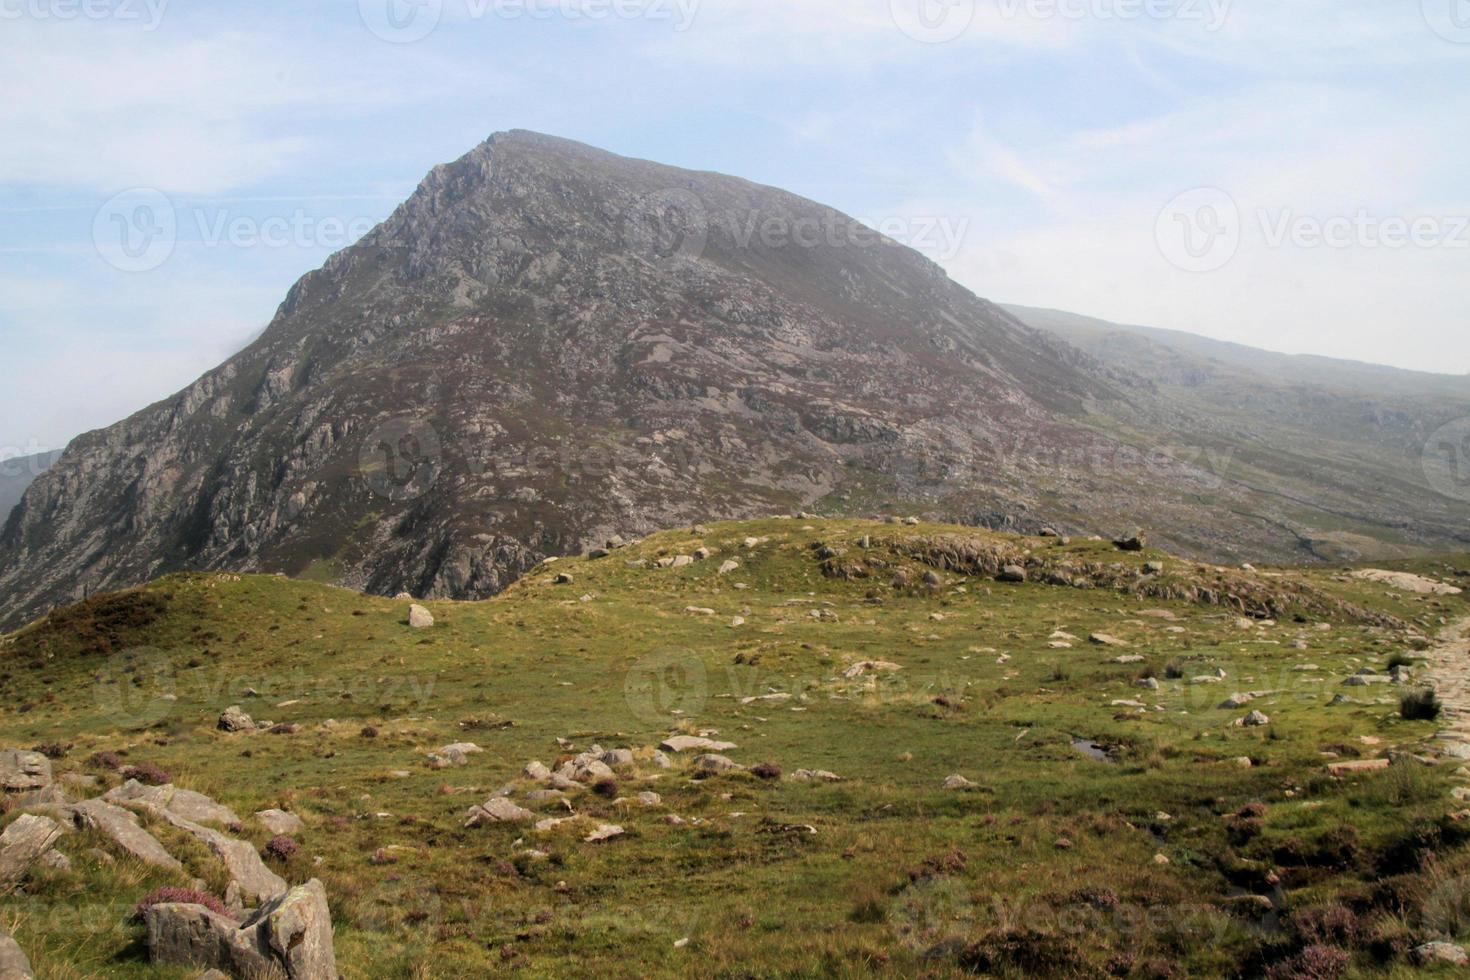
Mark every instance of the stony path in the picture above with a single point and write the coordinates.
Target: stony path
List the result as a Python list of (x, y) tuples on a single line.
[(1449, 674)]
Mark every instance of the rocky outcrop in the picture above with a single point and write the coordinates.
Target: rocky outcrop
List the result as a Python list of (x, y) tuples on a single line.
[(123, 829), (290, 936), (184, 803), (24, 843)]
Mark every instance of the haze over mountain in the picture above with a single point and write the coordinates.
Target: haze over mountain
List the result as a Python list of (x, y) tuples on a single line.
[(547, 345), (19, 472)]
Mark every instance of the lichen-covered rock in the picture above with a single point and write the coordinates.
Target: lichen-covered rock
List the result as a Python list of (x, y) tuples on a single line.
[(289, 936), (24, 842), (180, 802)]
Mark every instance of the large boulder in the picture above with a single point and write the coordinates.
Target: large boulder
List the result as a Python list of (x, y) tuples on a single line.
[(419, 617), (121, 827), (289, 936), (22, 845), (180, 802), (13, 962), (21, 771)]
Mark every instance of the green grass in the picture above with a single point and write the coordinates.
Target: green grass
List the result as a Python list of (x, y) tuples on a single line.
[(615, 658)]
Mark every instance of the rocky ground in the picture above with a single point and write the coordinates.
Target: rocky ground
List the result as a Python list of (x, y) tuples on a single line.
[(777, 747)]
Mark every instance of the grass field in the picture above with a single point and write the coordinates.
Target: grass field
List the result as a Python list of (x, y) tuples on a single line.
[(1112, 828)]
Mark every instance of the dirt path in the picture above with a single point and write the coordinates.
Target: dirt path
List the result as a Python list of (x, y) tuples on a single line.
[(1449, 673)]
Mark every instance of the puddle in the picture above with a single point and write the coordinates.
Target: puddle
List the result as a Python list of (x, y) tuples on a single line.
[(1091, 749)]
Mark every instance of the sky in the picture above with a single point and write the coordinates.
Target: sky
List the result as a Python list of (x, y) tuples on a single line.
[(1289, 174)]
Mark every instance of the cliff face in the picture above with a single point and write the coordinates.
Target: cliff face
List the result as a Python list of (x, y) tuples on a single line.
[(547, 345)]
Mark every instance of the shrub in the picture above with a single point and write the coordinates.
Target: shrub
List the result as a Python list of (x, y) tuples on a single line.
[(53, 750), (106, 760), (1422, 705), (766, 770), (1401, 660), (181, 896), (369, 731), (281, 847), (606, 787), (147, 773), (1025, 951), (1312, 963)]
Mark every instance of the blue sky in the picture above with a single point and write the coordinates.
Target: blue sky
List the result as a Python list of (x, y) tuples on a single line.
[(1284, 173)]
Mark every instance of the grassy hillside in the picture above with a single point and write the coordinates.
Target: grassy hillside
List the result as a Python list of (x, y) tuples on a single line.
[(1112, 828)]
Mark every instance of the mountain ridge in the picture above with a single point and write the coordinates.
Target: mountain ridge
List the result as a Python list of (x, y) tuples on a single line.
[(547, 345)]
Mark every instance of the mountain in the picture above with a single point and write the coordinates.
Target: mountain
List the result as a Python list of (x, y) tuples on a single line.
[(1325, 435), (18, 473), (548, 345)]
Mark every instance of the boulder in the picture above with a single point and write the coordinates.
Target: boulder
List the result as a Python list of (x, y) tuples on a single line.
[(710, 762), (234, 719), (815, 776), (1012, 573), (180, 802), (289, 936), (1430, 954), (249, 876), (121, 827), (1106, 640), (22, 845), (694, 743), (957, 782), (21, 771), (497, 809), (606, 831), (729, 566), (536, 771), (419, 618), (1255, 719), (618, 758), (280, 822), (13, 962), (1134, 540)]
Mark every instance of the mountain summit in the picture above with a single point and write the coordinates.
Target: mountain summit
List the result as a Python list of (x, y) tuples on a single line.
[(548, 345)]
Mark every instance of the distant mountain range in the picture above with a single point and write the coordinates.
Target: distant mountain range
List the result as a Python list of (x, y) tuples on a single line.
[(19, 472), (548, 345)]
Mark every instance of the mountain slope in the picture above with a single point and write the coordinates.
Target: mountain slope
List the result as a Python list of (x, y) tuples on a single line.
[(1333, 436), (18, 473), (548, 344)]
